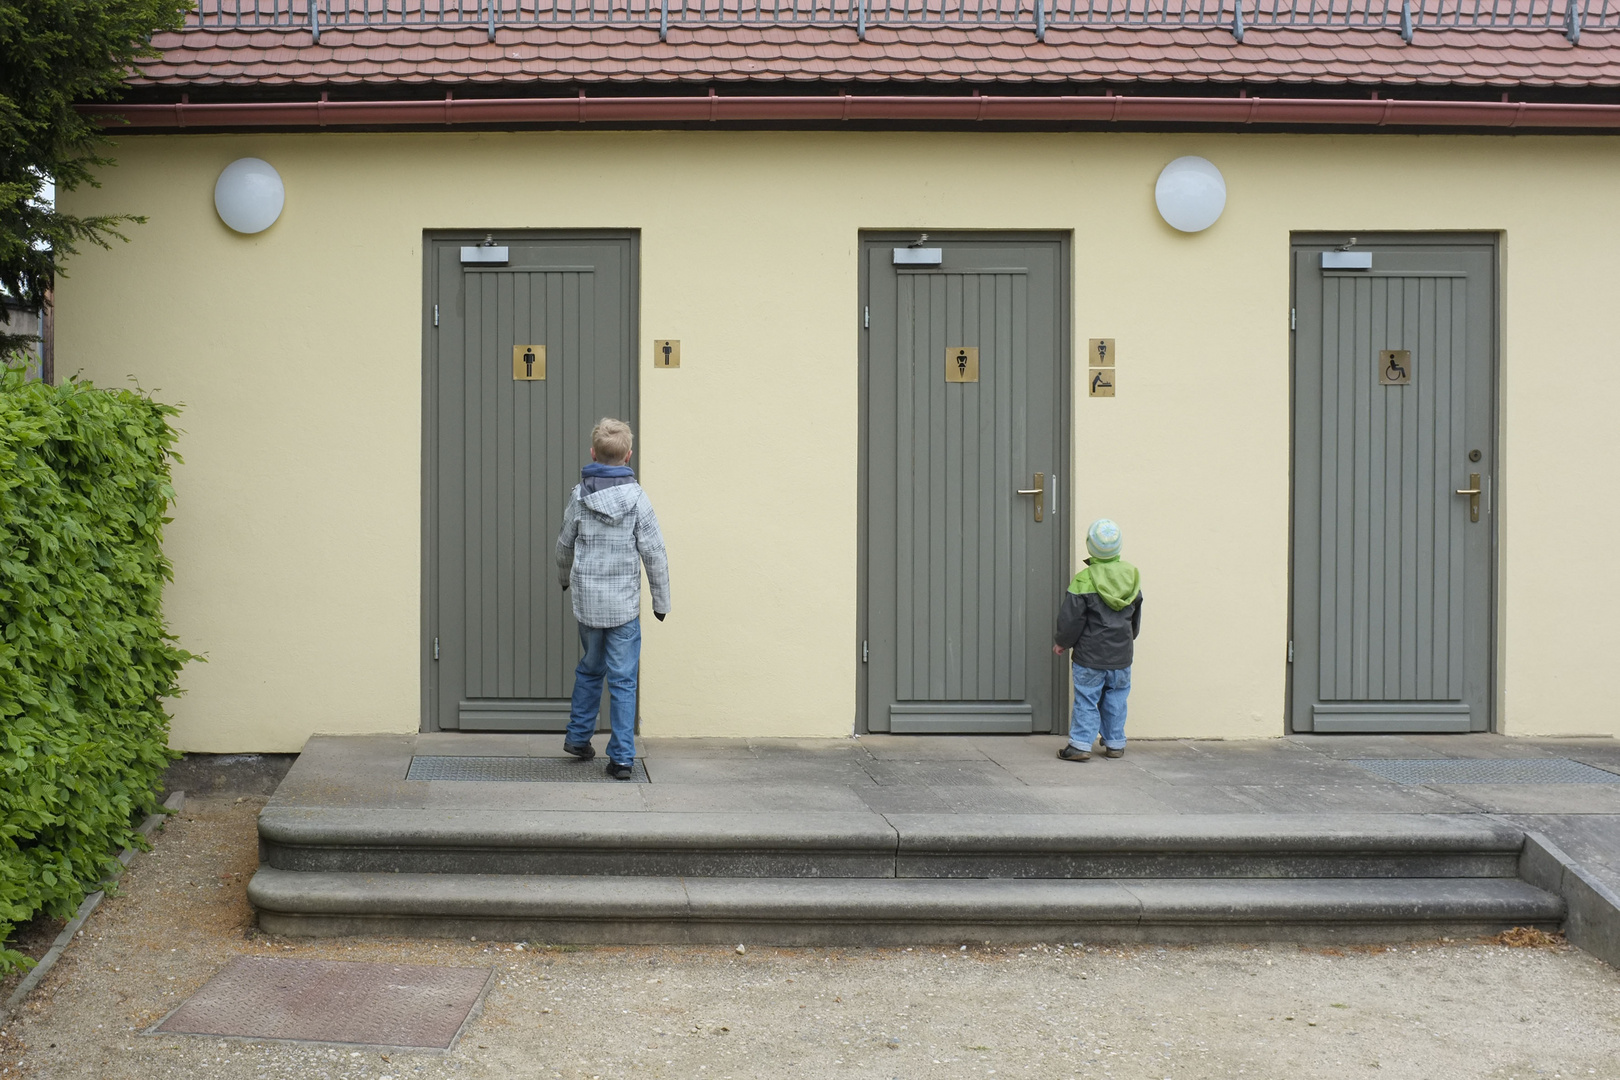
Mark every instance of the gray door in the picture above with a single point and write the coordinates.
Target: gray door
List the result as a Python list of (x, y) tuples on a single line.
[(502, 455), (1394, 404), (960, 582)]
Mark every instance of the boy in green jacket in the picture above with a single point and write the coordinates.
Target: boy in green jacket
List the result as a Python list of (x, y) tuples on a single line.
[(1100, 618)]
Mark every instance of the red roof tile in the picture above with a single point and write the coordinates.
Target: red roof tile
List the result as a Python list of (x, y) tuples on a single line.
[(965, 54)]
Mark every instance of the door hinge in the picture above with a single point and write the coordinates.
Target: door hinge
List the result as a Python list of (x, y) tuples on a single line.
[(1293, 318), (864, 653), (1290, 652), (435, 314), (866, 317), (435, 648)]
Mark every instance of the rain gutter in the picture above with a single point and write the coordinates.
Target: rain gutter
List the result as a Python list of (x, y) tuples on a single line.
[(1115, 108)]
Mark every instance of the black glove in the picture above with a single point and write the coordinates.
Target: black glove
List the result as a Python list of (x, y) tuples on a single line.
[(659, 615), (565, 588)]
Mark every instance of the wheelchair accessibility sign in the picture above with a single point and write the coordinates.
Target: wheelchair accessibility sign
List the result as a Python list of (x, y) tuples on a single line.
[(1395, 367)]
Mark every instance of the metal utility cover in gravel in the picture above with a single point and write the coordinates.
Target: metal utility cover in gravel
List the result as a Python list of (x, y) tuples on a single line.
[(262, 997), (538, 770), (1485, 771)]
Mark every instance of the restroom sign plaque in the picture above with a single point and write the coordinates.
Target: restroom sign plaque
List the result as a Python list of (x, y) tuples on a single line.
[(962, 364), (529, 363), (1395, 367)]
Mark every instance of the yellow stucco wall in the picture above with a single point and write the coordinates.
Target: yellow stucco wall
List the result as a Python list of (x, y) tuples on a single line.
[(296, 353)]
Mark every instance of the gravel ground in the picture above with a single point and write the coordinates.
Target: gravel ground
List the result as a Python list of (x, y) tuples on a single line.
[(1447, 1009)]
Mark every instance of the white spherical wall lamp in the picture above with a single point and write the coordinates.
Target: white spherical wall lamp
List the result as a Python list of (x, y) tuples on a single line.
[(1191, 193), (249, 195)]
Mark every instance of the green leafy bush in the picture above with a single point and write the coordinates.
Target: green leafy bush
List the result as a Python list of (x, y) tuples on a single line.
[(85, 657)]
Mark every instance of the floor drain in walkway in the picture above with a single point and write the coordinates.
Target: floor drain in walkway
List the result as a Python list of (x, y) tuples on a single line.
[(1486, 771), (547, 770), (266, 997)]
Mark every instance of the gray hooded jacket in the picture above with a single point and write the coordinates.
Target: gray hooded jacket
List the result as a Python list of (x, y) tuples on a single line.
[(606, 535)]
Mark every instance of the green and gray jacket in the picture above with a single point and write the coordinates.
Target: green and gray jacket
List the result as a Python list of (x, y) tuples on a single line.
[(1102, 614)]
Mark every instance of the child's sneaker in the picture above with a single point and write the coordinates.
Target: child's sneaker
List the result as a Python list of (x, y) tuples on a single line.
[(1109, 751), (1071, 752), (618, 771), (583, 751)]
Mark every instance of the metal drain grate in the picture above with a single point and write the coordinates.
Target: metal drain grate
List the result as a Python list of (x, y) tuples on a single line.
[(533, 770), (1485, 771), (330, 1001)]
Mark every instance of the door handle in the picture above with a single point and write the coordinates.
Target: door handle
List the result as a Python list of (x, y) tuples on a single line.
[(1472, 491), (1039, 491)]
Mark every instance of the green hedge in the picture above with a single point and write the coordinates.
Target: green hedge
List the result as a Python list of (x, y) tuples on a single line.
[(85, 657)]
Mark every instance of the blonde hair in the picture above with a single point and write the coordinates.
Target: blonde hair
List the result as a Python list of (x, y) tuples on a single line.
[(611, 440)]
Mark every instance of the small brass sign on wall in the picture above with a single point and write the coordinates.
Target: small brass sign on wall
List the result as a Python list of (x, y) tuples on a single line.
[(529, 363), (962, 364), (666, 353), (1101, 351), (1395, 367), (1102, 381)]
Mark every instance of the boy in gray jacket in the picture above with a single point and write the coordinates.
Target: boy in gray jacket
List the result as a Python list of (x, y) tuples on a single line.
[(1100, 618), (608, 531)]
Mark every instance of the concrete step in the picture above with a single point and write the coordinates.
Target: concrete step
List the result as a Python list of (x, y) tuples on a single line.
[(872, 845), (890, 911)]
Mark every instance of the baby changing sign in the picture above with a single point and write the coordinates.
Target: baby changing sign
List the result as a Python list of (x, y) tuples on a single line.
[(529, 363)]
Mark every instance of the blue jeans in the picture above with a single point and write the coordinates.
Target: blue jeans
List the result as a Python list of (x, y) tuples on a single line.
[(1099, 701), (613, 652)]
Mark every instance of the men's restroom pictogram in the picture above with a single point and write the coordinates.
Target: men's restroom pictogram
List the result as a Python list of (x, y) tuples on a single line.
[(529, 363)]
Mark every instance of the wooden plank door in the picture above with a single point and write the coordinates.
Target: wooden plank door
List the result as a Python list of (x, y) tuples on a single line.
[(961, 582), (1392, 575), (502, 456)]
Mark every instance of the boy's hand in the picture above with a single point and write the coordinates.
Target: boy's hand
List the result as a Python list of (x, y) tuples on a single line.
[(1058, 650)]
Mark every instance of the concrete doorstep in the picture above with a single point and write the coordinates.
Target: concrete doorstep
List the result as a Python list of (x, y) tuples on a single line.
[(891, 911), (1591, 908), (894, 840)]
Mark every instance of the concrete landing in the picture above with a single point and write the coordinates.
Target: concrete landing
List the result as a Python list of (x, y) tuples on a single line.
[(1238, 834)]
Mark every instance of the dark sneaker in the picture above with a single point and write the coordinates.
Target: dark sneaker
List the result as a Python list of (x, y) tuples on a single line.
[(1109, 751), (618, 771), (584, 751), (1071, 752)]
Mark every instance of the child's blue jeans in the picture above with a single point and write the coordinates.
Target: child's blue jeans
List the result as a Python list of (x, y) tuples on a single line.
[(1099, 702), (614, 653)]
